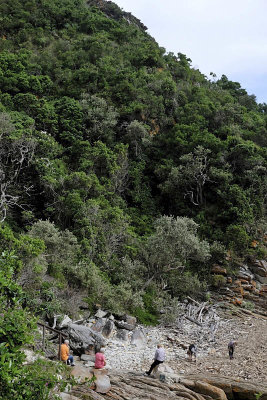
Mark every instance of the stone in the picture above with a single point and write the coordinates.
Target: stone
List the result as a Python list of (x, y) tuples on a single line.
[(261, 279), (98, 326), (138, 338), (66, 396), (209, 390), (100, 314), (65, 322), (108, 328), (81, 337), (31, 357), (122, 334), (102, 383), (86, 357), (81, 373), (164, 369), (129, 319), (124, 325), (89, 364)]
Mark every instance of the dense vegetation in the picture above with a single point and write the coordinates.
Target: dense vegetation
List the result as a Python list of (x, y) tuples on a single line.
[(124, 172)]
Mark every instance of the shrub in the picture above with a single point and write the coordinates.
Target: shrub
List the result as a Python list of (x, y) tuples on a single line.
[(218, 281)]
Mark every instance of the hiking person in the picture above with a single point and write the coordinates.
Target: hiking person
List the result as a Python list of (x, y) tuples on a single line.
[(192, 351), (100, 360), (159, 358), (231, 347), (65, 353)]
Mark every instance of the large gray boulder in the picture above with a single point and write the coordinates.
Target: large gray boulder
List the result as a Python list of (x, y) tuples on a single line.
[(102, 382), (98, 326), (82, 336), (108, 329), (138, 338)]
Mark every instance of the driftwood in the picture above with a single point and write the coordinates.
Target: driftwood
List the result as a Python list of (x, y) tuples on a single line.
[(202, 314), (193, 320)]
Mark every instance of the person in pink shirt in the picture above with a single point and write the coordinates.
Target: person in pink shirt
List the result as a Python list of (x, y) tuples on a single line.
[(100, 361)]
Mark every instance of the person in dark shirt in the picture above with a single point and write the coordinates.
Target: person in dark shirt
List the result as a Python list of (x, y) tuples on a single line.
[(192, 352), (231, 347)]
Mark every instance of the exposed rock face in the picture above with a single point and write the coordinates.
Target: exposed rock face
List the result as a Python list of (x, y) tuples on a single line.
[(207, 389), (134, 386), (259, 268), (232, 388), (82, 336), (249, 285)]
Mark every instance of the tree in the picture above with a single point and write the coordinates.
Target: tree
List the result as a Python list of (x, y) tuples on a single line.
[(173, 244), (16, 153), (191, 176)]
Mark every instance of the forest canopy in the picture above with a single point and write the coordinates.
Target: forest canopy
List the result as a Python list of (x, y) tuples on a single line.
[(125, 173)]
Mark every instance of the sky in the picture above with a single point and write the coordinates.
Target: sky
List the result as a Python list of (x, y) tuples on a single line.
[(221, 36)]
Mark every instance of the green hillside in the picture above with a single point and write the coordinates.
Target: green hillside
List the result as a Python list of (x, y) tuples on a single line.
[(125, 173)]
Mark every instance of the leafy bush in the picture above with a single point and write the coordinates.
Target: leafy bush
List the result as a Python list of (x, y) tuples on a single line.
[(218, 281)]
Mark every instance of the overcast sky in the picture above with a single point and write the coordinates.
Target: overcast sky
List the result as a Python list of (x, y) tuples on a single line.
[(221, 36)]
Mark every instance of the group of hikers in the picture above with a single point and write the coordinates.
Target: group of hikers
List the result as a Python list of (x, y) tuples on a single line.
[(159, 358)]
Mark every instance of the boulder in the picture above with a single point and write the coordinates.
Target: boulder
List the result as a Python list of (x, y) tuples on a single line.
[(66, 396), (81, 373), (81, 337), (138, 338), (98, 326), (124, 325), (122, 334), (102, 382), (100, 313), (209, 390), (108, 329), (129, 319), (65, 322), (86, 357), (163, 369)]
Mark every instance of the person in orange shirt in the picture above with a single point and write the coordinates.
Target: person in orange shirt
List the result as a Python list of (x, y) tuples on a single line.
[(65, 353)]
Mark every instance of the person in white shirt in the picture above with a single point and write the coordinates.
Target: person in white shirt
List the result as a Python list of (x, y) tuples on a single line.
[(158, 359)]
